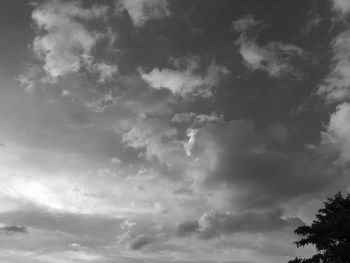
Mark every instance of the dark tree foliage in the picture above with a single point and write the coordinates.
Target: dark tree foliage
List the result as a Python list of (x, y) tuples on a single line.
[(329, 233)]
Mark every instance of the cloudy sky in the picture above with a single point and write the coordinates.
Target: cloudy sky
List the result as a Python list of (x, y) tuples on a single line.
[(169, 130)]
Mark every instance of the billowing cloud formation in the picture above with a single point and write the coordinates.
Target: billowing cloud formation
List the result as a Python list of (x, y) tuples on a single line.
[(13, 229), (275, 58), (59, 22), (141, 11), (215, 224), (186, 81), (105, 71), (337, 135), (336, 88), (156, 136), (341, 6), (232, 155), (337, 83)]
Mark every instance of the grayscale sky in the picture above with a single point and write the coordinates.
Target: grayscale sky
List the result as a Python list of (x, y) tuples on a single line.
[(169, 130)]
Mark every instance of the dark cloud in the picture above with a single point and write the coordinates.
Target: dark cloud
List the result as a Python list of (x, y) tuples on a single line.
[(215, 224), (13, 229), (140, 241), (242, 160), (183, 191), (187, 228)]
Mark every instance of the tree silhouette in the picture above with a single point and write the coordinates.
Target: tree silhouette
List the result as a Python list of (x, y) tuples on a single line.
[(329, 233)]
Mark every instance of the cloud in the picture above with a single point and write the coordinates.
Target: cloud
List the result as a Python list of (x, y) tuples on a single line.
[(275, 58), (156, 136), (337, 136), (277, 132), (183, 192), (140, 241), (58, 21), (186, 81), (234, 157), (105, 71), (146, 131), (341, 6), (335, 88), (161, 139), (13, 229), (96, 228), (127, 224), (142, 11), (187, 228), (50, 256), (188, 146), (28, 78), (214, 224), (336, 85), (314, 19), (183, 118), (133, 241), (100, 104), (195, 120), (245, 24)]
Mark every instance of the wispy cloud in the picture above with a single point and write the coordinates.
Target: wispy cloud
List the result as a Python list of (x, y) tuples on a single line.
[(141, 11), (275, 58), (186, 81), (12, 229)]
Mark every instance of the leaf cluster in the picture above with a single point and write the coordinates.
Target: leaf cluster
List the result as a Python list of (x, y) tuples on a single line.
[(329, 232)]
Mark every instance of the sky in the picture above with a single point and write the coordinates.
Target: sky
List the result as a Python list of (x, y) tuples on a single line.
[(170, 131)]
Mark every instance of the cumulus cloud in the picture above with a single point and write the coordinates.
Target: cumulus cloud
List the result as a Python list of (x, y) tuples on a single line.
[(337, 136), (233, 156), (335, 88), (105, 71), (156, 136), (142, 11), (215, 223), (12, 229), (127, 224), (275, 58), (58, 22), (189, 144), (195, 120), (186, 81), (341, 6), (162, 138), (185, 117), (336, 85), (100, 104), (145, 132)]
